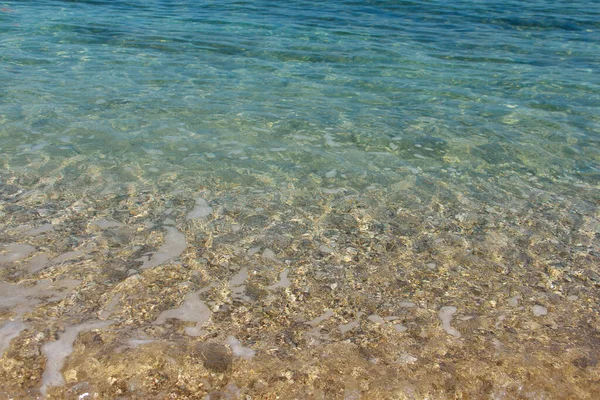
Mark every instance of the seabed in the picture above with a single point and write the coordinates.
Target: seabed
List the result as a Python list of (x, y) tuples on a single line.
[(299, 290)]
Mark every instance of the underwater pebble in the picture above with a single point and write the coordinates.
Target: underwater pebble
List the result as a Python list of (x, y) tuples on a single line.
[(407, 304), (405, 358), (325, 249), (539, 311), (215, 357), (331, 174), (333, 190), (154, 152), (253, 250), (514, 301)]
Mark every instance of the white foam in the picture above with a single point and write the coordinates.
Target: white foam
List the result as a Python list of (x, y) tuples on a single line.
[(329, 139), (71, 255), (38, 262), (139, 342), (107, 223), (172, 247), (110, 307), (57, 352), (238, 350), (325, 316), (348, 327), (39, 230), (268, 254), (237, 285), (191, 310), (15, 252), (445, 314), (283, 281), (8, 332), (376, 319), (239, 278), (21, 299), (201, 210)]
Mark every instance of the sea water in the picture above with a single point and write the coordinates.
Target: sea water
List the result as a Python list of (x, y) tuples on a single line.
[(349, 157)]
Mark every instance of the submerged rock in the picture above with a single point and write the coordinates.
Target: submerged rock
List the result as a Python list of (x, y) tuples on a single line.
[(215, 357)]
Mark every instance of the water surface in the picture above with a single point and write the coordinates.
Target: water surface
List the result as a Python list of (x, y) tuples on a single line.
[(331, 199)]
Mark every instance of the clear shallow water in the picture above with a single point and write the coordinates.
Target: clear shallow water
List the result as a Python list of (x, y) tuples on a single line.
[(419, 133), (320, 85)]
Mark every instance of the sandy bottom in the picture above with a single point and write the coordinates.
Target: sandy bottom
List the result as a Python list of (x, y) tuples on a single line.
[(278, 292)]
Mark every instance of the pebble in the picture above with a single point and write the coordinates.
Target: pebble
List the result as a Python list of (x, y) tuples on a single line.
[(406, 358), (539, 311), (325, 249)]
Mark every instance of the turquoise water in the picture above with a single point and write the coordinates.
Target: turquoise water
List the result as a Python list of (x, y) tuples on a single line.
[(302, 87), (298, 171)]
